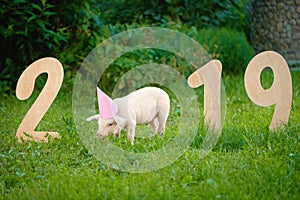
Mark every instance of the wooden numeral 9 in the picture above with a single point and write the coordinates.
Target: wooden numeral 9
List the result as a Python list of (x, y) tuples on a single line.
[(279, 94), (25, 87)]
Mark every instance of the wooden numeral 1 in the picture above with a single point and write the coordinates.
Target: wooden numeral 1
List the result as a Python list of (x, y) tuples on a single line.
[(209, 75), (280, 93), (25, 87)]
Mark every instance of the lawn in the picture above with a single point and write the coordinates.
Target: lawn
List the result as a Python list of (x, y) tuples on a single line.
[(248, 162)]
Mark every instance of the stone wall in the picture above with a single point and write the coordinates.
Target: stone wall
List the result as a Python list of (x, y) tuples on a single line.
[(276, 26)]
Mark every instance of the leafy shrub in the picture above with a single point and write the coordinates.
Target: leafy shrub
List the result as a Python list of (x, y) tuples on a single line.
[(27, 33), (183, 15), (70, 29), (74, 53), (231, 13), (39, 28), (229, 46)]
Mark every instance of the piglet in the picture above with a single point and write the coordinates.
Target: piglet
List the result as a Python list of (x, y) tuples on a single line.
[(149, 105)]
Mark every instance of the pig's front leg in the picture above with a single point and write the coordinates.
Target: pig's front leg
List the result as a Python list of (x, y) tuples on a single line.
[(117, 134), (131, 132)]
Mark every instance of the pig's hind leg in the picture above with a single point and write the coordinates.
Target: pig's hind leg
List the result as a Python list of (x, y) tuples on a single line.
[(154, 124), (162, 119)]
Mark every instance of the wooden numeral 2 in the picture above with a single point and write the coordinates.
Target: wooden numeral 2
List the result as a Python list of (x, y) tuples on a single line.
[(279, 94), (25, 87)]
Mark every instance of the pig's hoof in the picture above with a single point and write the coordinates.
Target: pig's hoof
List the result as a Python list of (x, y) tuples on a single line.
[(131, 142)]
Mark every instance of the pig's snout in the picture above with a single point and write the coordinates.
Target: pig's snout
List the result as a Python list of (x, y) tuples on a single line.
[(101, 136)]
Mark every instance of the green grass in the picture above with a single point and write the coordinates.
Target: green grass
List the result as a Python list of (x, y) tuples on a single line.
[(248, 162)]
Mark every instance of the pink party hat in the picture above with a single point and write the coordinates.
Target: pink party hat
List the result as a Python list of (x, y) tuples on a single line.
[(107, 108)]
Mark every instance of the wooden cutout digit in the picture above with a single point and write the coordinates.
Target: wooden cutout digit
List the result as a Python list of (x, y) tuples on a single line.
[(280, 93), (209, 75), (24, 89)]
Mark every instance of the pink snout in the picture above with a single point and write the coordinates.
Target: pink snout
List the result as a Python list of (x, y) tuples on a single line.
[(101, 135)]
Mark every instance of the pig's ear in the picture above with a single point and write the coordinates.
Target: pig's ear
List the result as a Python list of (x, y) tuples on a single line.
[(120, 121), (94, 117)]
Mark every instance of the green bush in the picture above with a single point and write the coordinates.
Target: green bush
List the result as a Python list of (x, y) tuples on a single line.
[(70, 29), (74, 53), (229, 46), (27, 33), (107, 18), (33, 29), (231, 13)]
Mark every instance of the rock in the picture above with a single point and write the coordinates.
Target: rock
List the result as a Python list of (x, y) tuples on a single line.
[(276, 26)]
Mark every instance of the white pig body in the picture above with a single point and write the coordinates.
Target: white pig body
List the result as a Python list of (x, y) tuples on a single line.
[(149, 105)]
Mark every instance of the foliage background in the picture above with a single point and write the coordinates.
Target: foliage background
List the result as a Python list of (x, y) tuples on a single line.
[(70, 29), (249, 161)]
